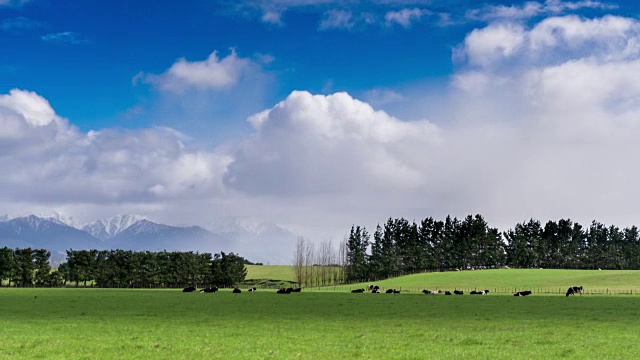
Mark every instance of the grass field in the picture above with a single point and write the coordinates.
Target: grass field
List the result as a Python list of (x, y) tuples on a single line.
[(274, 272), (169, 324), (507, 280)]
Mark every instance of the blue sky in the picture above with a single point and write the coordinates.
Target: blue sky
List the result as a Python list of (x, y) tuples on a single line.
[(318, 111)]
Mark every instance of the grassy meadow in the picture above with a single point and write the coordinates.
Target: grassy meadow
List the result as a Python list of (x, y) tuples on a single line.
[(169, 324), (510, 280)]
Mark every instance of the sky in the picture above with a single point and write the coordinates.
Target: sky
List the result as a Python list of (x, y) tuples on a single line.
[(320, 114)]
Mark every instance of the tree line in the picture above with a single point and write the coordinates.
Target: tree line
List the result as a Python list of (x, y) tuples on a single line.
[(401, 247), (121, 268)]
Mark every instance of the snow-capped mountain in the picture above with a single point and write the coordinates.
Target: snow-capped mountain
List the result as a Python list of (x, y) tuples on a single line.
[(108, 228), (256, 240), (243, 224), (252, 239), (36, 232)]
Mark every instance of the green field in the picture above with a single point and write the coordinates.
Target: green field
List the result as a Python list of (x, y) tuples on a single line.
[(274, 272), (508, 280), (169, 324)]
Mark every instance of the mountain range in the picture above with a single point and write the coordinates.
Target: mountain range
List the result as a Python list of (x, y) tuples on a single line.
[(254, 240)]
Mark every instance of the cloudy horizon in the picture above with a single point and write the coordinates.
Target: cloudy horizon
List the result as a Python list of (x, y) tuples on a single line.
[(317, 116)]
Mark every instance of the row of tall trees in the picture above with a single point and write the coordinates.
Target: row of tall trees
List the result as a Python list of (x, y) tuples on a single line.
[(318, 265), (569, 245), (122, 268), (27, 267), (400, 247)]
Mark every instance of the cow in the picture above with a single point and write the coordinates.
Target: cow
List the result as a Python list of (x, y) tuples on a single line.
[(252, 289), (575, 290), (522, 293), (297, 290), (396, 291), (447, 292), (375, 291), (237, 291), (357, 291), (426, 292), (436, 292), (189, 289), (376, 287), (473, 292), (458, 292), (209, 290), (484, 292), (283, 291), (389, 291)]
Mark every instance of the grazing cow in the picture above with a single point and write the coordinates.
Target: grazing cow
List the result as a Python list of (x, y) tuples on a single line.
[(426, 292), (209, 290), (375, 291), (297, 290), (189, 289), (376, 287), (237, 291), (389, 291), (484, 292), (473, 292), (357, 291), (447, 292), (252, 289), (522, 293), (436, 292), (575, 290), (283, 291), (458, 292)]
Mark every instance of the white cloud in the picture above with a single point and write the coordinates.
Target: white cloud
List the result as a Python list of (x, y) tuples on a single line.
[(53, 162), (337, 19), (405, 17), (310, 144), (553, 40), (66, 37), (272, 17), (210, 74), (532, 9)]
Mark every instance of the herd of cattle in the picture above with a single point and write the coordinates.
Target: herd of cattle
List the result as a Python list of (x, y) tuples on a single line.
[(375, 289)]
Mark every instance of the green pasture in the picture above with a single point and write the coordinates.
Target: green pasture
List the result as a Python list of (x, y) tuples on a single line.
[(169, 324), (507, 280), (273, 272)]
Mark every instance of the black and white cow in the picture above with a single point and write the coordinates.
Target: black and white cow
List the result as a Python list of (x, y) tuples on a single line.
[(575, 290), (522, 293), (189, 289), (357, 291), (237, 291), (458, 292), (252, 289), (209, 290)]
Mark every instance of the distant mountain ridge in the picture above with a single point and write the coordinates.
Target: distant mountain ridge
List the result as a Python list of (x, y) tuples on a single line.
[(252, 239)]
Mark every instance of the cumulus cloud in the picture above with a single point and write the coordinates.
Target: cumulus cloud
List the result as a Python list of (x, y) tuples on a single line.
[(213, 73), (405, 17), (310, 144), (532, 9), (554, 39), (52, 162), (337, 19)]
